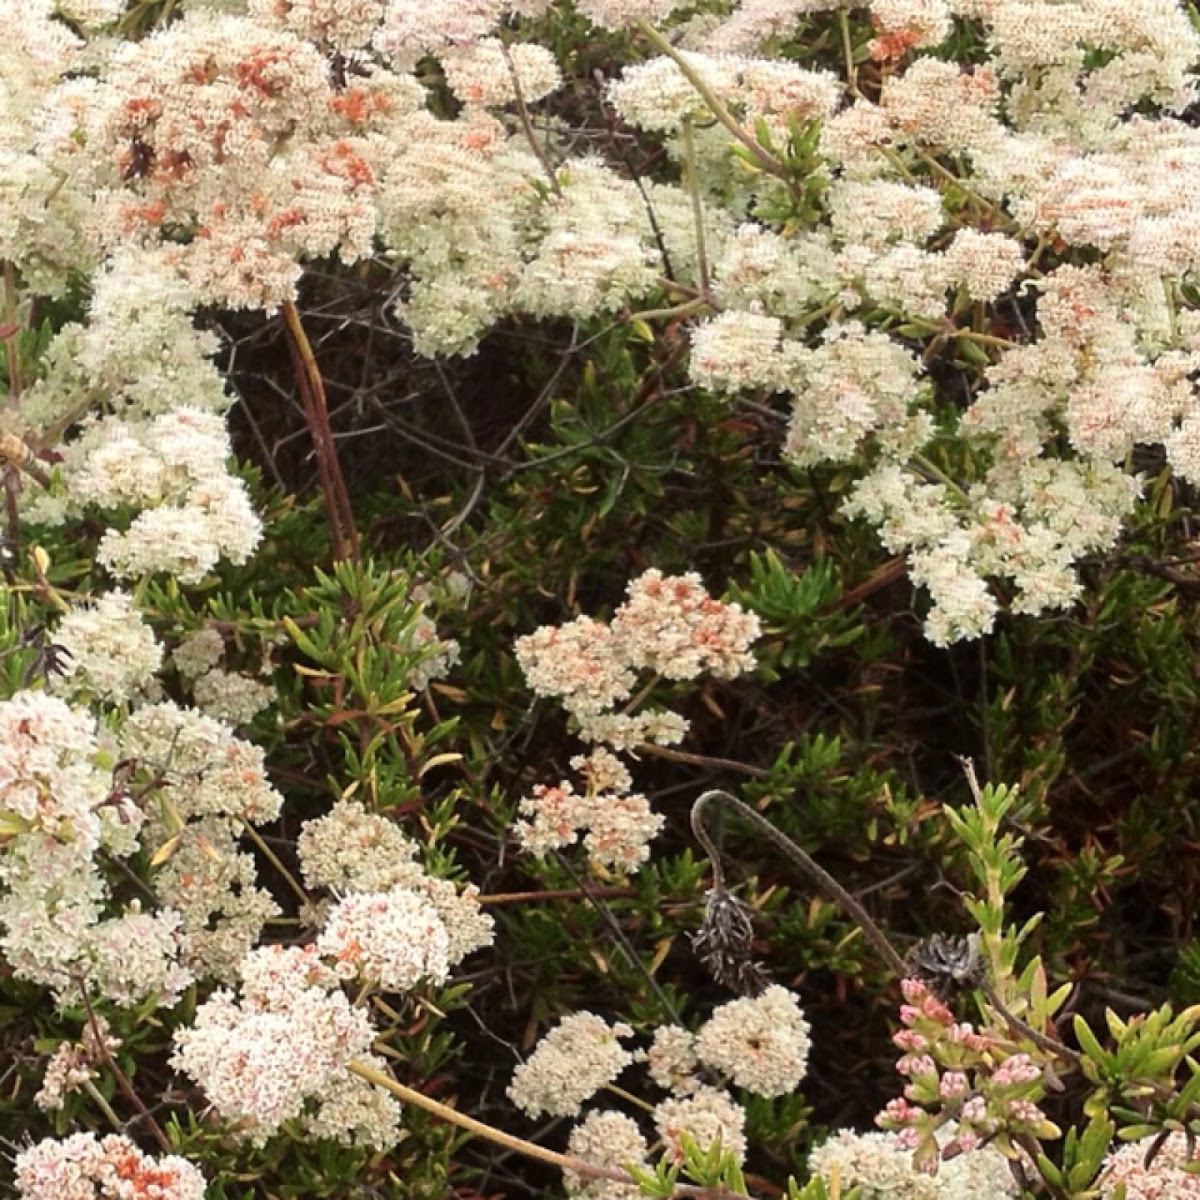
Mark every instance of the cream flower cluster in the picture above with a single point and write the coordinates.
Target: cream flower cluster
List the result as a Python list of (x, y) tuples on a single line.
[(205, 769), (196, 769), (657, 96), (147, 444), (193, 511), (605, 1139), (341, 24), (212, 882), (111, 652), (1052, 149), (62, 812), (882, 1166), (263, 1055), (707, 1115), (352, 851), (229, 696), (581, 1054), (760, 1044)]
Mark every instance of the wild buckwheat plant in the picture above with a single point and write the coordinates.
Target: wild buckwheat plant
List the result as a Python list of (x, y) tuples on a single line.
[(373, 371)]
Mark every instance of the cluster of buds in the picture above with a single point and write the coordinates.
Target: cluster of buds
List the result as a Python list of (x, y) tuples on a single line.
[(963, 1081)]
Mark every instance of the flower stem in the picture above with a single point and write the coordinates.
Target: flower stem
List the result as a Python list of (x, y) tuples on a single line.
[(798, 858), (451, 1115), (768, 162)]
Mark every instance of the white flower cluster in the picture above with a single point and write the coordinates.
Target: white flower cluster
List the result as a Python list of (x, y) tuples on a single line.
[(342, 24), (760, 1044), (137, 390), (229, 696), (205, 769), (351, 849), (112, 654), (274, 1052), (605, 1139), (883, 1168), (172, 468), (354, 852), (581, 1054), (84, 1167), (707, 1115), (200, 774), (490, 74), (657, 96), (212, 883), (670, 625)]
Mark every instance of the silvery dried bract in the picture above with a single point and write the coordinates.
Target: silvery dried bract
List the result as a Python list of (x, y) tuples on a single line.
[(724, 944)]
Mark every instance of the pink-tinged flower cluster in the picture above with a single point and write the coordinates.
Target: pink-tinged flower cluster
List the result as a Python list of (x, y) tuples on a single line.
[(222, 147), (960, 1081), (73, 1063), (668, 625), (579, 663), (84, 1167), (393, 940)]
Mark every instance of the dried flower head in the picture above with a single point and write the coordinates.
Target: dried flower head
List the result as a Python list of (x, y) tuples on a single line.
[(724, 943)]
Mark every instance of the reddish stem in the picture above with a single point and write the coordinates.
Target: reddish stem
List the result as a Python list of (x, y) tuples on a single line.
[(342, 530)]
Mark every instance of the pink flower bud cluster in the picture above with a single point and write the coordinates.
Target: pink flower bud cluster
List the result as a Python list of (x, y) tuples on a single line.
[(960, 1080)]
